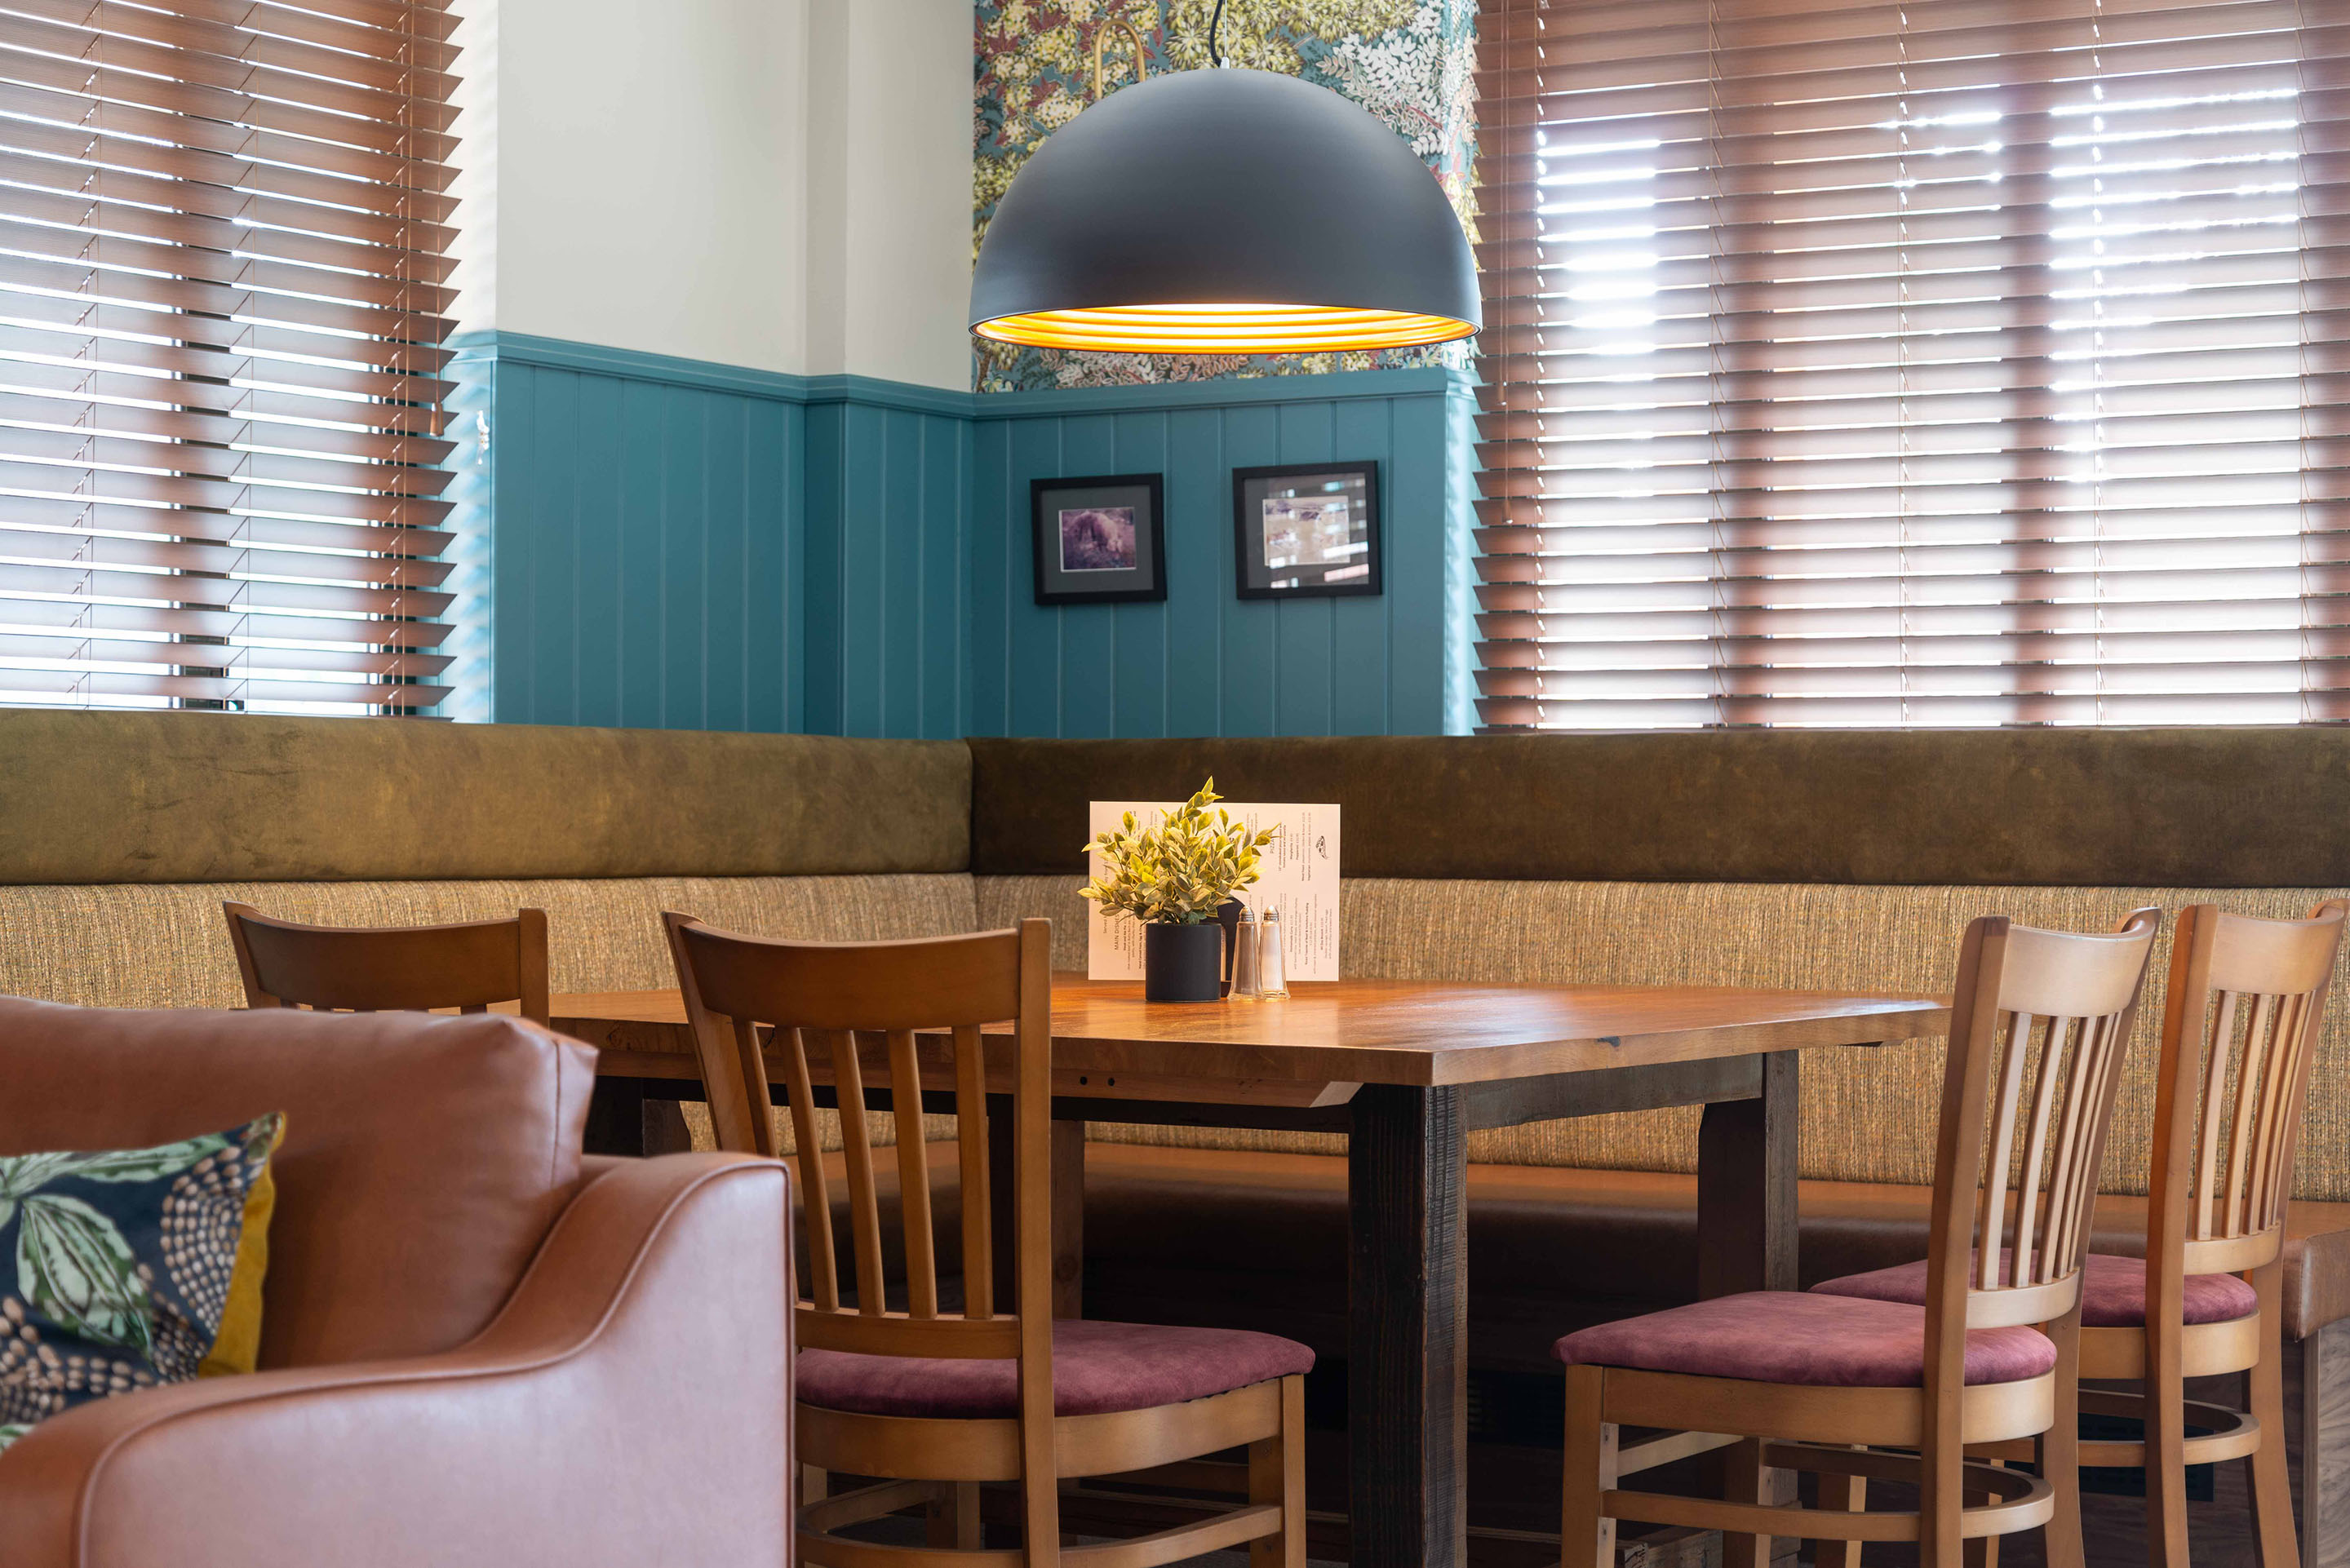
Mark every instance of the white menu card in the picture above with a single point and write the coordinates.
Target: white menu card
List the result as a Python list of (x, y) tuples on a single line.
[(1297, 873)]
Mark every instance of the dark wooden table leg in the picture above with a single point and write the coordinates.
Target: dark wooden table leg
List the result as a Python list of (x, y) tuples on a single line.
[(1068, 1209), (1746, 1232), (1407, 1346), (616, 1116), (1746, 1187)]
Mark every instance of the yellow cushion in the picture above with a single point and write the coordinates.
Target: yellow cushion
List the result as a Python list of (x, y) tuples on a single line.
[(238, 1345)]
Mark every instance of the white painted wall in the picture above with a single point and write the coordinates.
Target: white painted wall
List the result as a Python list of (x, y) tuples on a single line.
[(781, 184), (890, 189)]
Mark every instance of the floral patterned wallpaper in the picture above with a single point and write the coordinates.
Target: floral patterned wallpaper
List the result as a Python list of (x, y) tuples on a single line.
[(1410, 62)]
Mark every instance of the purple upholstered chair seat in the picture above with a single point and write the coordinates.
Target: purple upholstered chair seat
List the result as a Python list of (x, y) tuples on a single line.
[(1788, 1336), (1097, 1369), (2113, 1291)]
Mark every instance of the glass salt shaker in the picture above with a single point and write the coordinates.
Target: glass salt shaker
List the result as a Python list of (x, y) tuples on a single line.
[(1271, 985), (1244, 956)]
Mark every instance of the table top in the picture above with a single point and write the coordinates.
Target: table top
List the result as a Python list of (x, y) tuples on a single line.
[(1422, 1033)]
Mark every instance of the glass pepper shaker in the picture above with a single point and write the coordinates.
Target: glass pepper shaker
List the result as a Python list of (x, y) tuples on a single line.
[(1271, 985), (1244, 956)]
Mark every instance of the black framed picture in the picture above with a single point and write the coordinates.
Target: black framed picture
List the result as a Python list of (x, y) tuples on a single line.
[(1306, 530), (1098, 541)]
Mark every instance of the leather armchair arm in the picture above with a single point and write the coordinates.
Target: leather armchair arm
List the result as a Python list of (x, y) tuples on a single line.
[(630, 1405)]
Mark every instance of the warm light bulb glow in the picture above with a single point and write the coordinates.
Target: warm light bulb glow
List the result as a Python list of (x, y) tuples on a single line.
[(1223, 328)]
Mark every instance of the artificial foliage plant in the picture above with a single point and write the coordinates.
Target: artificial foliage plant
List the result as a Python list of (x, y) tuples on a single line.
[(1181, 871)]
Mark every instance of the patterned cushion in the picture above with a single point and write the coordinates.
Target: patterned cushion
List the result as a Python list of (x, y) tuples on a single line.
[(126, 1266)]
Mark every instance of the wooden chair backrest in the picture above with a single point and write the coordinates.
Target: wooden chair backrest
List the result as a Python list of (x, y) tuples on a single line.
[(861, 1004), (2039, 1024), (2239, 1033), (391, 969)]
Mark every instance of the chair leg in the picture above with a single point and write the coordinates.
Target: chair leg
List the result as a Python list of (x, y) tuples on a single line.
[(2060, 1453), (1277, 1475), (1942, 1497), (1982, 1551), (2271, 1479), (1586, 1536), (2165, 1389), (815, 1484), (951, 1519), (1854, 1499), (1748, 1482)]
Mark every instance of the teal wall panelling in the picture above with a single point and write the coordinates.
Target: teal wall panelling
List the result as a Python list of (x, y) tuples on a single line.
[(645, 526), (1206, 662), (663, 543), (885, 595)]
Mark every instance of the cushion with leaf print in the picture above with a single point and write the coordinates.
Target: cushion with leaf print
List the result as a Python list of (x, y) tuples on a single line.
[(125, 1269)]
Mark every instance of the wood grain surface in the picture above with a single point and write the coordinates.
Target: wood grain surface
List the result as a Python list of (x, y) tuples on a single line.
[(1423, 1034)]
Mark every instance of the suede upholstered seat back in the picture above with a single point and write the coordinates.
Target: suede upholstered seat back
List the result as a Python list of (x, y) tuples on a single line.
[(425, 1157)]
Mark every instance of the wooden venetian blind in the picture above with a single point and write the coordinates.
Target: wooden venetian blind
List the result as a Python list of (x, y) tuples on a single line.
[(1956, 362), (223, 237)]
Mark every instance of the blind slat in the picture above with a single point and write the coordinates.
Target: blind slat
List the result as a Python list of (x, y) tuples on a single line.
[(312, 138), (165, 43), (225, 247), (316, 167), (40, 407), (211, 34), (1855, 362), (334, 636)]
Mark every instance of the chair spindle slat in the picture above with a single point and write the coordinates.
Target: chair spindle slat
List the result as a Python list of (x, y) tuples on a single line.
[(2257, 1040), (2206, 1185), (2264, 1119), (2016, 1048), (816, 1188), (2062, 1062), (2095, 1051), (971, 1138), (913, 1175), (856, 1146), (2030, 1195), (2296, 1092)]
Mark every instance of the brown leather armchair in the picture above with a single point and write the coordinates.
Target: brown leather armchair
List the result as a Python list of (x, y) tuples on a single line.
[(479, 1349)]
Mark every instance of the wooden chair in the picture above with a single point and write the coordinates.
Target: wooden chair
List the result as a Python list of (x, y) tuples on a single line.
[(1828, 1383), (2238, 1036), (391, 969), (938, 1400)]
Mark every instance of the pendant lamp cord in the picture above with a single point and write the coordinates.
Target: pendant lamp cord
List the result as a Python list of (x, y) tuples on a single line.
[(1215, 55)]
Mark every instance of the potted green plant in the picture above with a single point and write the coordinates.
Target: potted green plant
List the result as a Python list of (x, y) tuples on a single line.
[(1174, 878)]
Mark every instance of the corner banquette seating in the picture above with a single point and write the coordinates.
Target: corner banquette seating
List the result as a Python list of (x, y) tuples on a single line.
[(1840, 860), (458, 1310)]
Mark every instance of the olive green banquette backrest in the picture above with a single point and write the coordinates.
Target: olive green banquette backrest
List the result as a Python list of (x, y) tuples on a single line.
[(1844, 859)]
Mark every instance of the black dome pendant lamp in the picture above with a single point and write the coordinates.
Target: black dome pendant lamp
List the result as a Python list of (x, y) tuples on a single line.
[(1219, 211)]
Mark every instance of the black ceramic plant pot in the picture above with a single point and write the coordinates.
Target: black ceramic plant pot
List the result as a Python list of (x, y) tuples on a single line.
[(1183, 963)]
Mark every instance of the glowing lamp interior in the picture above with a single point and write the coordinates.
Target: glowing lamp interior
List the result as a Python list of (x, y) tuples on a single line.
[(1223, 328)]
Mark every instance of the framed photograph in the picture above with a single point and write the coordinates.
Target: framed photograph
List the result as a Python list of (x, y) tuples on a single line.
[(1097, 540), (1306, 530)]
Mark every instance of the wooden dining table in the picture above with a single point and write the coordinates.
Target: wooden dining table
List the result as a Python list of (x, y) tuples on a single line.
[(1406, 1070)]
